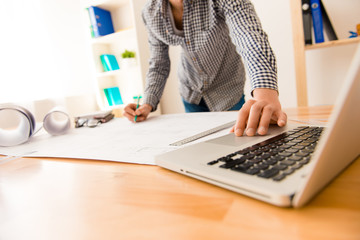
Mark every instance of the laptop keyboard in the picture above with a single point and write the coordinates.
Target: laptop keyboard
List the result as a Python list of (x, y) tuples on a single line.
[(274, 158)]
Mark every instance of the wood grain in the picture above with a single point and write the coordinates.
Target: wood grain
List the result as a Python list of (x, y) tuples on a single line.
[(43, 198)]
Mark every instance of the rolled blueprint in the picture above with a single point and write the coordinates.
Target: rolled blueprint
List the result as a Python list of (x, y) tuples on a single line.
[(17, 124), (56, 122)]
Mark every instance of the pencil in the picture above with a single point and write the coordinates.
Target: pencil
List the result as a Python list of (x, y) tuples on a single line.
[(137, 106)]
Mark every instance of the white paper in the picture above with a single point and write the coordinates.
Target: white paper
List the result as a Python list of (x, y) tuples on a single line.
[(121, 140)]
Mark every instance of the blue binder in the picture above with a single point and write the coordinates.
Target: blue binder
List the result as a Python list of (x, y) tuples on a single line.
[(101, 21), (317, 21)]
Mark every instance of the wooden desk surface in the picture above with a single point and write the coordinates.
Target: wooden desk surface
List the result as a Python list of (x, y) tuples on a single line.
[(83, 199)]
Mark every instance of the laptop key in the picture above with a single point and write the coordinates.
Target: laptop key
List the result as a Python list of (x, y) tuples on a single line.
[(255, 160), (285, 154), (307, 150), (263, 166), (280, 166), (246, 164), (304, 161), (302, 154), (213, 162), (288, 162), (295, 158), (278, 158), (288, 171), (270, 161), (266, 155), (298, 147), (249, 156), (279, 177), (240, 169), (296, 166), (232, 163), (269, 173), (253, 171), (291, 150)]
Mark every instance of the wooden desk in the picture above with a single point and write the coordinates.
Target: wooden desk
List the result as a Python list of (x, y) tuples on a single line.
[(81, 199)]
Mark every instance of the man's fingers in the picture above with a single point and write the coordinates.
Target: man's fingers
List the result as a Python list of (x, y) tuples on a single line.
[(282, 119), (140, 118), (254, 118), (242, 118), (130, 109), (266, 115), (141, 110), (257, 114)]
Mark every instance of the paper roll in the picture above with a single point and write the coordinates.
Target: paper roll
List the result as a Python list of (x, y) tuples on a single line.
[(57, 122), (17, 124)]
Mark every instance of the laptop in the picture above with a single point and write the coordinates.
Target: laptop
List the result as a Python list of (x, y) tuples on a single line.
[(289, 165)]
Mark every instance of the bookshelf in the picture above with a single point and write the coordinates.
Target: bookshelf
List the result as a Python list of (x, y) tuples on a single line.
[(300, 49), (333, 43), (130, 34)]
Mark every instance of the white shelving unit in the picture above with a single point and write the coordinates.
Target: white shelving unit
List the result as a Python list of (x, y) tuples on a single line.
[(300, 48), (130, 34)]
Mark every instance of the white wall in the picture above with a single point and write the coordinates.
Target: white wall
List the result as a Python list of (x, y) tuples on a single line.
[(44, 53), (325, 67), (171, 100)]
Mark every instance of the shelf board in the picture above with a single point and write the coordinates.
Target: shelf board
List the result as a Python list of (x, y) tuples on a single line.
[(107, 39), (117, 72), (108, 73), (106, 4), (333, 43)]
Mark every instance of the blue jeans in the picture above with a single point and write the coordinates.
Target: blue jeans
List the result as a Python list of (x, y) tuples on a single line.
[(202, 107)]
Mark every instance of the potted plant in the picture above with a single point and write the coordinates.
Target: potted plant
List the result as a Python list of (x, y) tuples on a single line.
[(128, 59)]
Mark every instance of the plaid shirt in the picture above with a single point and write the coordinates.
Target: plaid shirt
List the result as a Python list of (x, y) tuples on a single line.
[(218, 34)]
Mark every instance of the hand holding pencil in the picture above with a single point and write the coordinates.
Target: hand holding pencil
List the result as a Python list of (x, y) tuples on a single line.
[(136, 112)]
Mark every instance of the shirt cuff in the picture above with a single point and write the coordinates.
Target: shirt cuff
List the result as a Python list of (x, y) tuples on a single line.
[(264, 80), (152, 100)]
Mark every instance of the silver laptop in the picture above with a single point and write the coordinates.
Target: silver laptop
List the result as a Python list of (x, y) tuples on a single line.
[(290, 165)]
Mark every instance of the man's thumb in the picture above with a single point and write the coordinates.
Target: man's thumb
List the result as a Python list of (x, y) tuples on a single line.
[(138, 111)]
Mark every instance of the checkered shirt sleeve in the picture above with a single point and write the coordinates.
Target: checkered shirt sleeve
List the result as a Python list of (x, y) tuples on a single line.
[(219, 35)]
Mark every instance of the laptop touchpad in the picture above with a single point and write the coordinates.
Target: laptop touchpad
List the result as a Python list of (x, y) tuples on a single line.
[(232, 140)]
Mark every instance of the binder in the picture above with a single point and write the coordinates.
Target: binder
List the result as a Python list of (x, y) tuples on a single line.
[(328, 27), (113, 96), (307, 21), (101, 21), (317, 21), (90, 25), (109, 62)]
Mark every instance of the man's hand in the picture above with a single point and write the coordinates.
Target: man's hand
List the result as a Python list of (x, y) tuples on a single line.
[(142, 112), (258, 113)]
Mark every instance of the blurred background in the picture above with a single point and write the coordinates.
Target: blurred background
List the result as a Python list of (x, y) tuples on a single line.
[(46, 57)]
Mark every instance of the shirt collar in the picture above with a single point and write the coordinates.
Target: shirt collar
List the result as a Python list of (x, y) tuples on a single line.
[(163, 6)]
